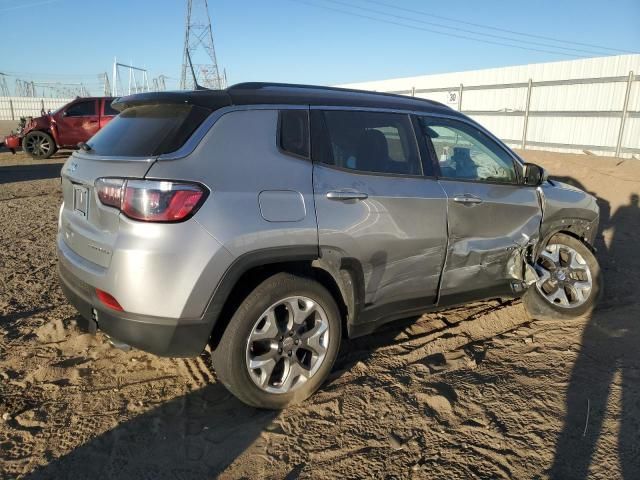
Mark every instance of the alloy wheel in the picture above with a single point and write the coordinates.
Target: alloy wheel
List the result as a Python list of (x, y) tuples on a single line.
[(287, 344), (564, 277), (38, 144)]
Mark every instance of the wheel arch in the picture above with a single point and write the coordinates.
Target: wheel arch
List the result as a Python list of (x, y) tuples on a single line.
[(579, 229), (251, 269)]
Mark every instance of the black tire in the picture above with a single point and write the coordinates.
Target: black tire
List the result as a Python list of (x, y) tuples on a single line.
[(539, 307), (39, 145), (229, 358)]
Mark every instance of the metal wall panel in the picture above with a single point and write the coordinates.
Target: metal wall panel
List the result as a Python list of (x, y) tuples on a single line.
[(12, 108), (575, 105)]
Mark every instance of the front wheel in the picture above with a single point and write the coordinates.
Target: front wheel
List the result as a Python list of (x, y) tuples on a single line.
[(281, 342), (39, 145), (569, 281)]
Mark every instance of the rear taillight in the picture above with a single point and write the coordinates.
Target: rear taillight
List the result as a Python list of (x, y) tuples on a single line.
[(110, 191), (151, 200)]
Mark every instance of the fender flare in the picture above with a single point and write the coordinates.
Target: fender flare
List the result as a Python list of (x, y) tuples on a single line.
[(581, 229), (243, 264), (345, 273)]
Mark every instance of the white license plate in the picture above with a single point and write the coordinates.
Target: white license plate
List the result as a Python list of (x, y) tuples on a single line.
[(80, 200)]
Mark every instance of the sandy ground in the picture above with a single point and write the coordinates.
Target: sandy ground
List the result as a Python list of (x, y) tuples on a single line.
[(475, 392)]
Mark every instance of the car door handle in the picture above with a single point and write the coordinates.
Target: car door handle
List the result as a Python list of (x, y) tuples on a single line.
[(346, 195), (467, 199)]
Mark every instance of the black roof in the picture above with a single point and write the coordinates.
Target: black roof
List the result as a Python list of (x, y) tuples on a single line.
[(284, 94)]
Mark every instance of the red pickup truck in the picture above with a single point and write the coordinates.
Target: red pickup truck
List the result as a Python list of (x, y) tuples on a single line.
[(74, 123)]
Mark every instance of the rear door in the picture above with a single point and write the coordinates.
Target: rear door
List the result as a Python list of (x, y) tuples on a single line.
[(377, 212), (492, 216), (107, 112), (78, 122)]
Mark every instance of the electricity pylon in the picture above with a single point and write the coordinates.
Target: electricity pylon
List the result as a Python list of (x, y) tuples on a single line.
[(104, 79), (4, 88), (158, 84), (199, 58)]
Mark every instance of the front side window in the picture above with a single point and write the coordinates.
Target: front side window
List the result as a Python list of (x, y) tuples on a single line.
[(82, 109), (466, 153), (373, 142)]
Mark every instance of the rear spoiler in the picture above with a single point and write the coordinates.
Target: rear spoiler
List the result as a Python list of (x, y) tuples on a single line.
[(212, 99)]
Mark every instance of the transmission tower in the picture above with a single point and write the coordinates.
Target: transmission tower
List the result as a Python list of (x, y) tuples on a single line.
[(25, 88), (199, 58), (158, 84), (4, 89), (138, 79), (104, 79)]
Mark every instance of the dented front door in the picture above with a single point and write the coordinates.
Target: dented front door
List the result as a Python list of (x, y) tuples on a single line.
[(492, 217), (490, 227)]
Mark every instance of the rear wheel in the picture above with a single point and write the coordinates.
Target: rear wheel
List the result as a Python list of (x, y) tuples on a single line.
[(39, 145), (281, 342), (569, 281)]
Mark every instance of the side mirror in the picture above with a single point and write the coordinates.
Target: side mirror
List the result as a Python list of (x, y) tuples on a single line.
[(534, 175), (64, 114)]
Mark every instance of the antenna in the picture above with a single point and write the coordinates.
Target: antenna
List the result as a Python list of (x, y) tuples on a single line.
[(198, 48), (196, 85)]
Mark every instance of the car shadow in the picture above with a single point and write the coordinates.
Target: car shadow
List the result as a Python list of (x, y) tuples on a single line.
[(23, 173), (196, 435), (609, 348)]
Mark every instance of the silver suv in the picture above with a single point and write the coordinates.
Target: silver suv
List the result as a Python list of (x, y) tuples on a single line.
[(271, 220)]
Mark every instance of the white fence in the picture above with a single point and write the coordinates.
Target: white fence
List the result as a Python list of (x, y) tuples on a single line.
[(12, 108), (589, 104), (531, 114)]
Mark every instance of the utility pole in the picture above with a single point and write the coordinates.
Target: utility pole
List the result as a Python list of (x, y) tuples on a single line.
[(199, 54)]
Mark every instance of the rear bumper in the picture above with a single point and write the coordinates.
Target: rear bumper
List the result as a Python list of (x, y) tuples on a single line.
[(168, 337)]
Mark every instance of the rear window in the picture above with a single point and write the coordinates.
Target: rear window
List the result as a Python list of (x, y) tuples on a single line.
[(148, 130), (294, 132)]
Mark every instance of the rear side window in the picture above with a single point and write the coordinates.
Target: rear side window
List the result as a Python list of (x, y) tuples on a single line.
[(81, 109), (294, 132), (374, 142), (148, 130), (108, 109)]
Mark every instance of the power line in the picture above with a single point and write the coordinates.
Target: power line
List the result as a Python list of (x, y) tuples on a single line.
[(497, 29), (40, 74), (464, 30), (437, 32), (28, 5)]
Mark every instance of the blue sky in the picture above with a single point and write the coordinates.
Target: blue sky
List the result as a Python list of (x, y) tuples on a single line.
[(304, 41)]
